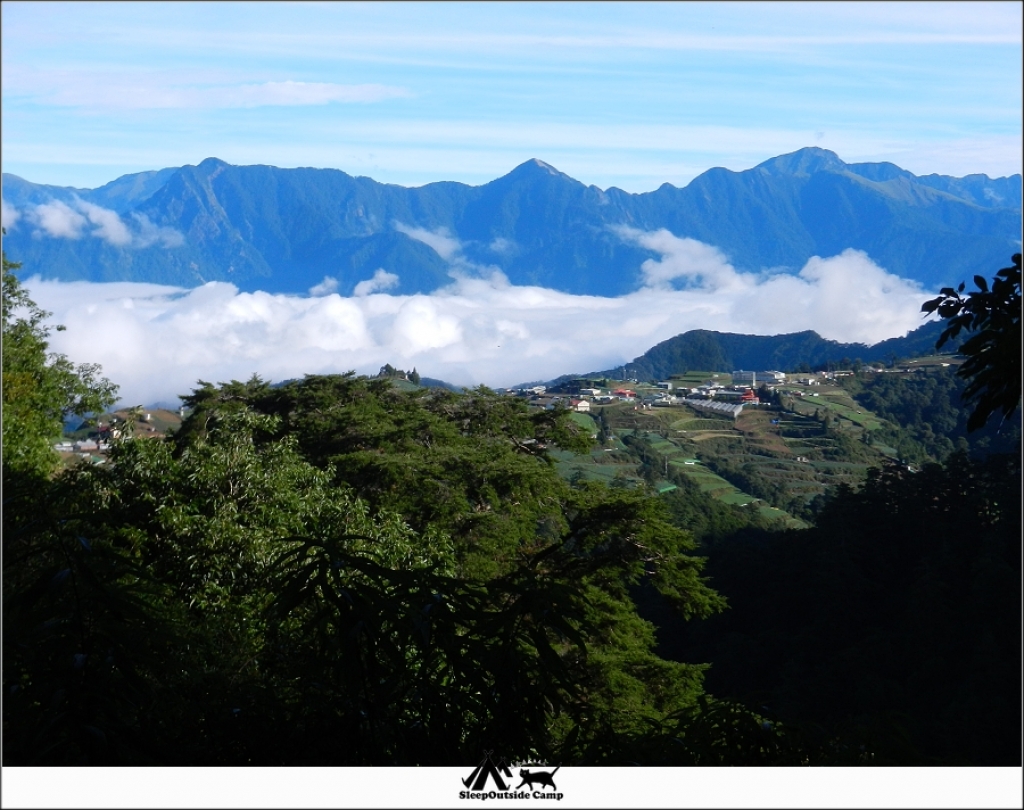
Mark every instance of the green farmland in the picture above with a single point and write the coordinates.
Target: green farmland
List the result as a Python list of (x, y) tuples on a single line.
[(780, 457)]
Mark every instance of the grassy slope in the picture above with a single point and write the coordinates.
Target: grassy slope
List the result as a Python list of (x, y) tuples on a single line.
[(761, 452)]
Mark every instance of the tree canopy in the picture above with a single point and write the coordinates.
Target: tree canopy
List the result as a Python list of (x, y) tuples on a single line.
[(993, 365), (40, 388), (894, 623), (336, 571)]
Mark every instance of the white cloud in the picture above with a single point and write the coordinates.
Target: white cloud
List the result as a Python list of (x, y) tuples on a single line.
[(109, 226), (325, 287), (60, 220), (291, 94), (847, 295), (502, 245), (151, 234), (9, 215), (450, 248), (440, 241), (382, 280), (57, 219), (156, 342), (693, 262), (101, 88), (422, 323)]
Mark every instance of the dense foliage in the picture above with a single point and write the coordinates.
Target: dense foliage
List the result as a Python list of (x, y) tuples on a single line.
[(932, 421), (993, 351), (40, 388), (895, 623), (337, 572)]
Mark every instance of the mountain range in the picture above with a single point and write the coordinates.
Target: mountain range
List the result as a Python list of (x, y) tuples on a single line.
[(706, 350), (289, 230)]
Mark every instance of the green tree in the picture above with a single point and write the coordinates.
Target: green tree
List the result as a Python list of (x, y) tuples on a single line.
[(886, 624), (40, 388), (337, 572), (156, 574), (926, 411), (993, 365)]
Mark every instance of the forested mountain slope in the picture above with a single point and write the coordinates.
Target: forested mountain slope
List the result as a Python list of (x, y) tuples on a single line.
[(705, 349), (283, 230)]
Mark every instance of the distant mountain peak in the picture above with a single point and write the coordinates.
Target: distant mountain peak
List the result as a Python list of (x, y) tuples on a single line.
[(283, 230), (804, 161), (536, 166), (212, 163), (540, 164)]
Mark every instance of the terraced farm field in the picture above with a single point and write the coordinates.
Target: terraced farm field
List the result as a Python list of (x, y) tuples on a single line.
[(598, 465), (586, 422), (704, 435), (719, 488), (774, 459), (805, 440), (761, 445), (700, 424)]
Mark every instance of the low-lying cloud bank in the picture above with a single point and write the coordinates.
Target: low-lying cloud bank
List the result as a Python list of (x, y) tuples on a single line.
[(157, 341), (60, 220)]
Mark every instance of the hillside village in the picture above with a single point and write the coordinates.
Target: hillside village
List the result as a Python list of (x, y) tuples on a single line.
[(769, 440), (90, 441), (717, 392)]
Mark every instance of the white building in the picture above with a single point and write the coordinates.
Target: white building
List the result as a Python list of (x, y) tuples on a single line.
[(755, 378), (724, 408)]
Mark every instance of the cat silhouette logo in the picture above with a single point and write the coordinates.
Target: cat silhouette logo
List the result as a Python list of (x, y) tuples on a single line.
[(540, 777), (538, 784)]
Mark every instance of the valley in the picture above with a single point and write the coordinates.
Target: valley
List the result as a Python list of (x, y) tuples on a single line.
[(776, 462), (627, 396), (781, 457)]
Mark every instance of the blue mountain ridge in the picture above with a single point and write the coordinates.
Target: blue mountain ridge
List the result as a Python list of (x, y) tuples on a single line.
[(284, 230)]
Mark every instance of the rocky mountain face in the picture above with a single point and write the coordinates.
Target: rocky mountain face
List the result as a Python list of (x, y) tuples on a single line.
[(284, 230)]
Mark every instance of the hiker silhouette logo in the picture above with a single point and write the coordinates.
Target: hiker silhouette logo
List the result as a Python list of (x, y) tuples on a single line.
[(540, 783)]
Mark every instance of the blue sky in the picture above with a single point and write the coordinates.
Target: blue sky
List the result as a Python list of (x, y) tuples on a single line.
[(630, 95)]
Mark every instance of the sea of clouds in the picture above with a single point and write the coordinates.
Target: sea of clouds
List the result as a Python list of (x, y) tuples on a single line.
[(156, 342)]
